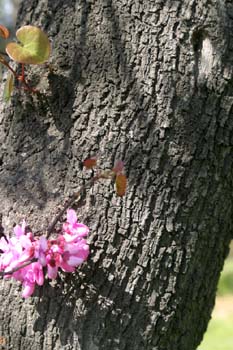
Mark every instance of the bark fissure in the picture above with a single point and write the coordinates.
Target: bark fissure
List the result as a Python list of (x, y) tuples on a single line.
[(149, 83)]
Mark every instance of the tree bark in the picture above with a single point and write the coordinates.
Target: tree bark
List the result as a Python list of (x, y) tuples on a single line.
[(150, 83)]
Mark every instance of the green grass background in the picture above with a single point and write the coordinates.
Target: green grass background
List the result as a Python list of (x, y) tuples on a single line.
[(225, 285), (219, 335)]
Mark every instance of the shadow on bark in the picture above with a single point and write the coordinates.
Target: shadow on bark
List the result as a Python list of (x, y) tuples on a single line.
[(31, 119), (76, 305)]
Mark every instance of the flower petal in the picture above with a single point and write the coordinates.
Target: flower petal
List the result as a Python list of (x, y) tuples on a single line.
[(74, 260), (52, 271), (28, 289), (71, 216), (43, 243), (18, 231)]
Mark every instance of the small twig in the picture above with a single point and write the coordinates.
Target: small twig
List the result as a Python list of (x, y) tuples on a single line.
[(26, 87), (51, 227), (2, 234), (77, 196), (22, 72), (5, 63), (4, 273), (3, 53), (20, 78)]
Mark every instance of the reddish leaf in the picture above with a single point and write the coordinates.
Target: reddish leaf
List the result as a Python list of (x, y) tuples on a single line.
[(4, 32), (118, 167), (89, 163), (121, 183)]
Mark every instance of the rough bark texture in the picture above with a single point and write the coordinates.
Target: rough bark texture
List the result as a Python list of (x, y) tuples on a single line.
[(149, 82)]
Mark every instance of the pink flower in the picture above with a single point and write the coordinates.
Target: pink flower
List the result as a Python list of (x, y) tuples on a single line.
[(66, 252), (19, 249), (53, 259), (41, 247), (118, 167), (31, 275), (74, 254), (20, 230), (73, 230)]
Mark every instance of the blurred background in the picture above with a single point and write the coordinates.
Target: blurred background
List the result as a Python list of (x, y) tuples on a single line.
[(8, 13), (219, 335)]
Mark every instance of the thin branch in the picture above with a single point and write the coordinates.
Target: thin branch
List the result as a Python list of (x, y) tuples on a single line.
[(4, 273), (77, 196), (20, 78), (2, 233), (22, 72), (5, 63)]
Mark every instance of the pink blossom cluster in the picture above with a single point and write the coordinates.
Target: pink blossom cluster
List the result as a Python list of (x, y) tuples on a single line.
[(66, 252)]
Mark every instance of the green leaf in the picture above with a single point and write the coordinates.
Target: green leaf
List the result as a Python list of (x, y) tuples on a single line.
[(34, 47), (8, 88)]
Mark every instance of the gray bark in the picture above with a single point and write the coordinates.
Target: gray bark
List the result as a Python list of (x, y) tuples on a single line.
[(150, 83)]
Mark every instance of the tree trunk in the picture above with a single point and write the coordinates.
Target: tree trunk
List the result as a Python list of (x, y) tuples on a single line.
[(149, 83)]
